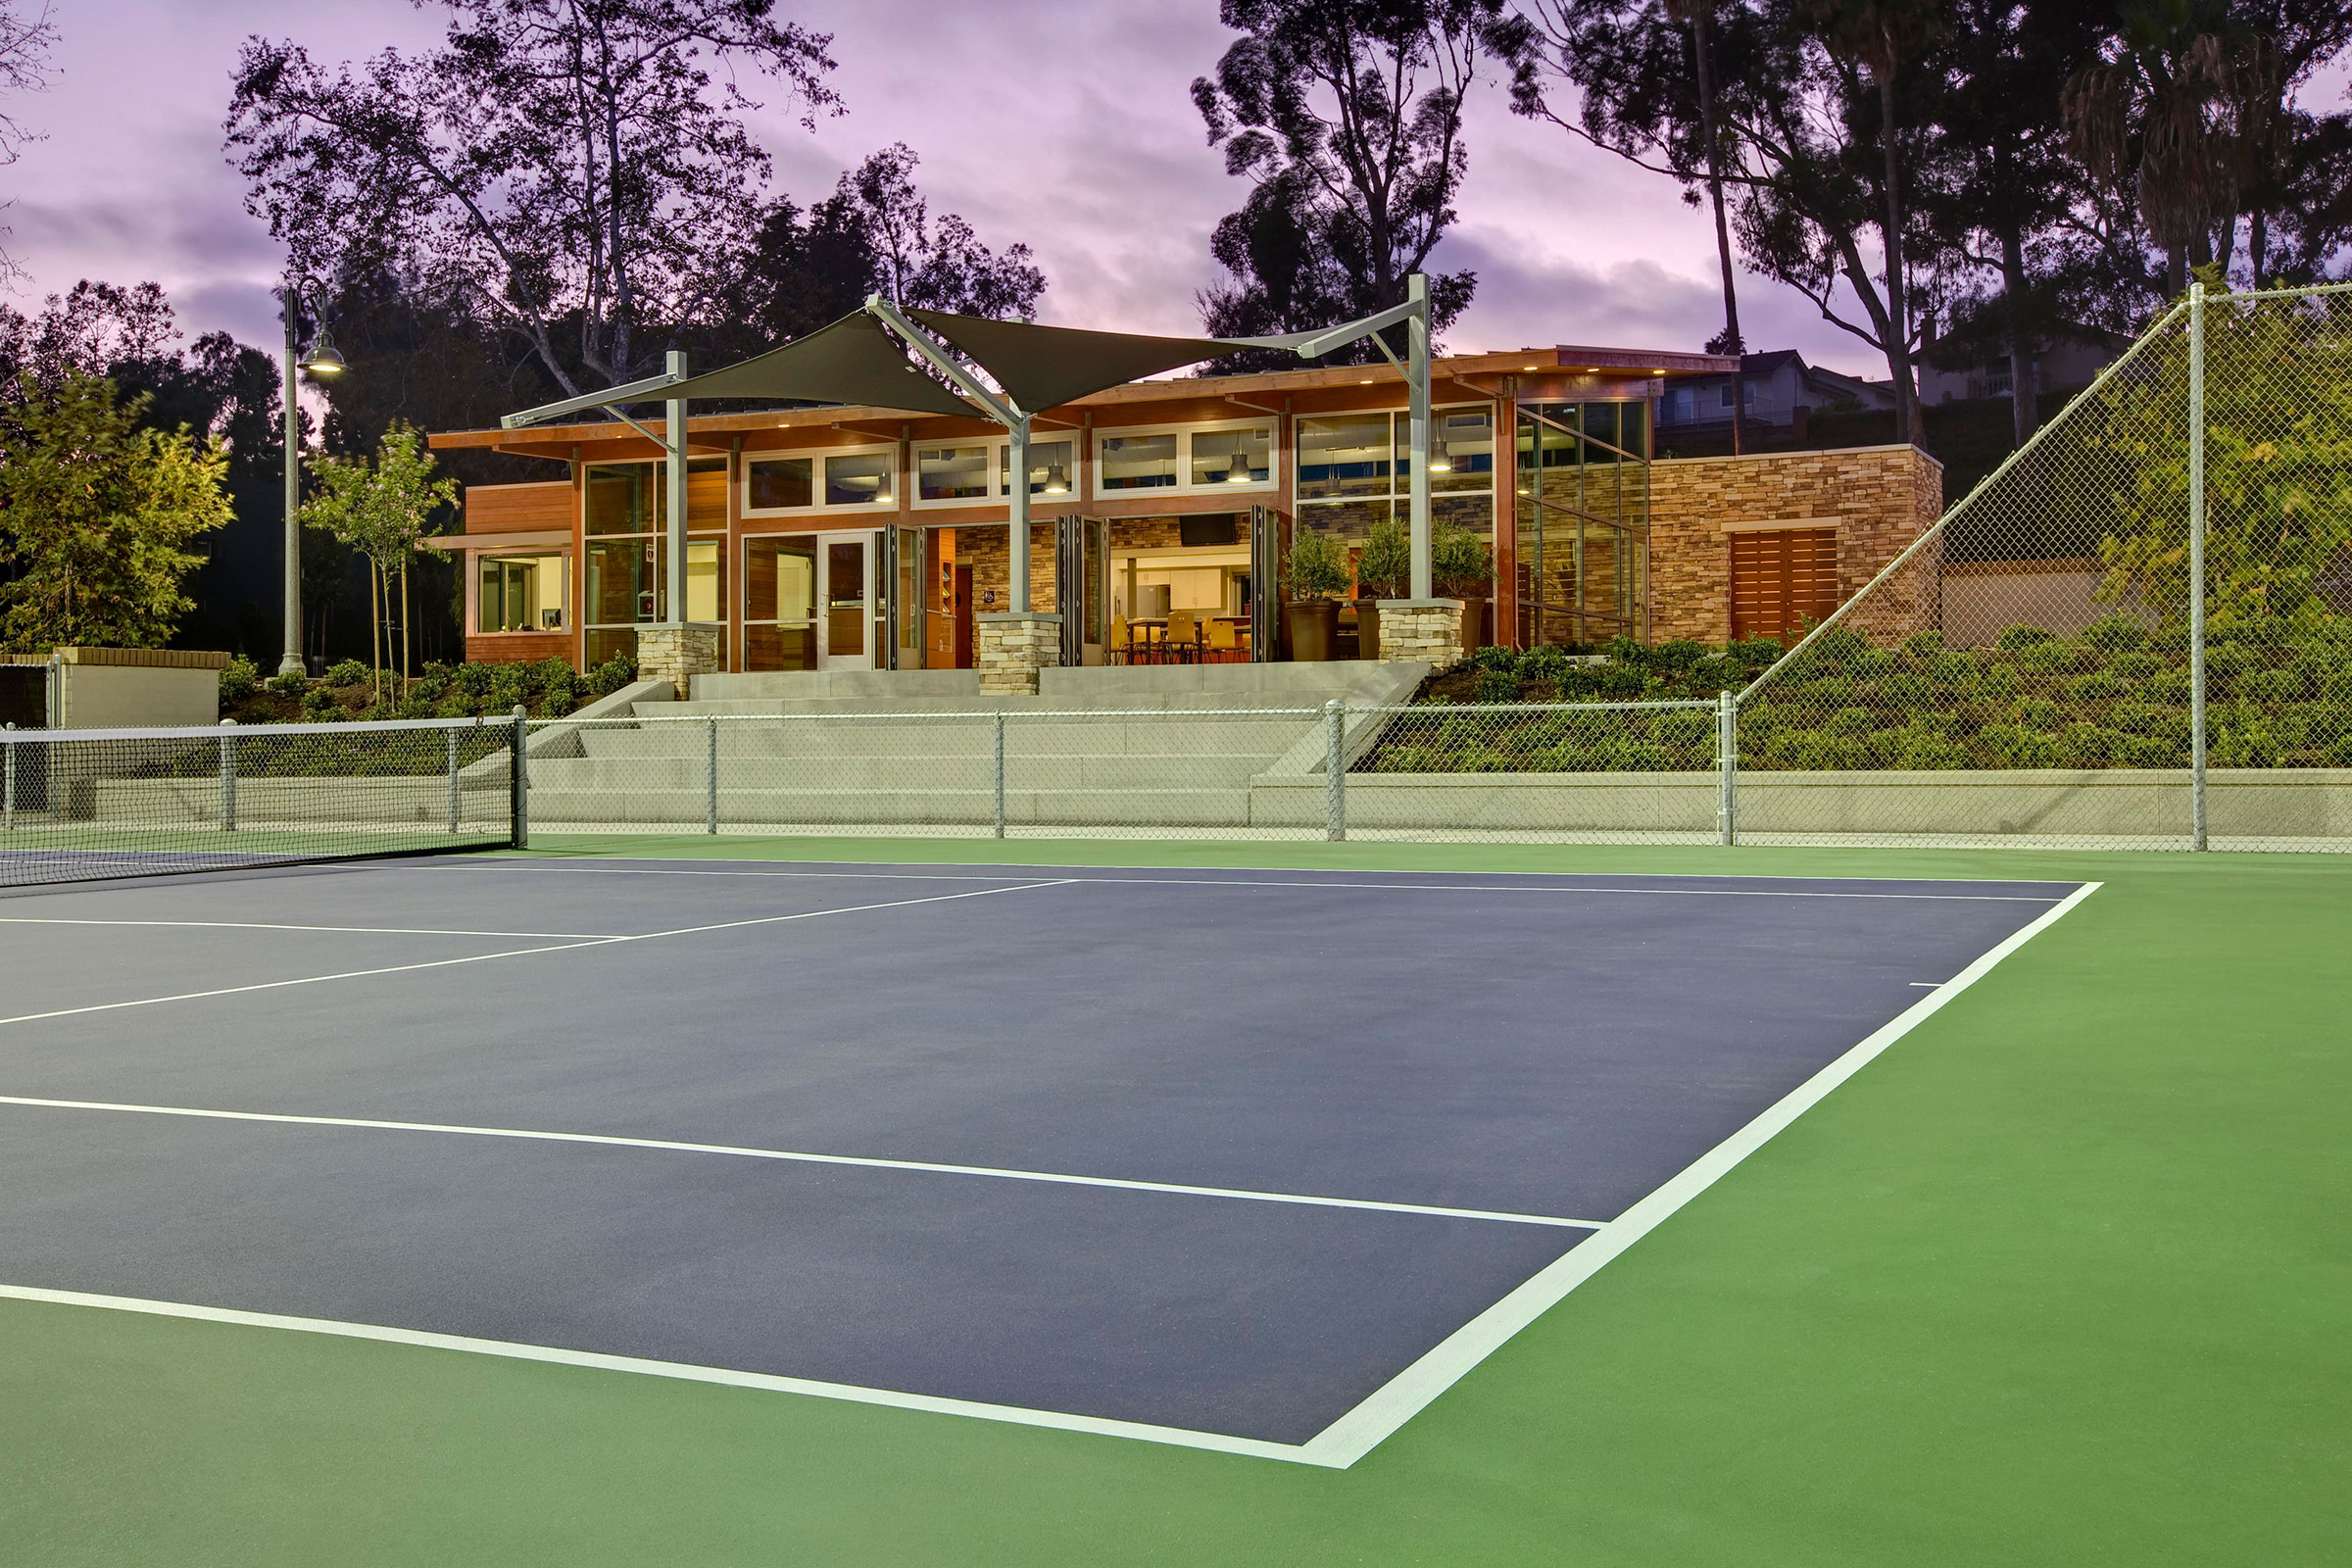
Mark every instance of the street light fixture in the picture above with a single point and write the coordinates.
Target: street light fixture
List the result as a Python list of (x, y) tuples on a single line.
[(322, 359)]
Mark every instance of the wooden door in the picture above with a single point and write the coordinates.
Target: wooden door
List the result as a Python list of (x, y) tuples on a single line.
[(1784, 580)]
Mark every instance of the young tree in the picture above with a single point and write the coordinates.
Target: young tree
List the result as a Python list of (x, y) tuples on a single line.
[(381, 510), (571, 167), (1348, 115), (99, 517), (918, 265)]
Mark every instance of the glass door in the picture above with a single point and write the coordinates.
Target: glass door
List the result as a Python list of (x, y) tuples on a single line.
[(846, 589)]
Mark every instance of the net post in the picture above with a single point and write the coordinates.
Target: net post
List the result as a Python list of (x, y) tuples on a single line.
[(228, 776), (1334, 769), (519, 778), (1727, 755), (8, 783), (2196, 565), (711, 801), (1000, 813), (456, 807)]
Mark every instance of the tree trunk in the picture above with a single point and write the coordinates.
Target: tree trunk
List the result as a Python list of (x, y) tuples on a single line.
[(404, 626), (2258, 235), (1899, 335), (2024, 405), (1733, 342), (375, 626)]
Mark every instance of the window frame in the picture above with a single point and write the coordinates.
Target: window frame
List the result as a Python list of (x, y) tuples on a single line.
[(817, 506), (1184, 434), (474, 586)]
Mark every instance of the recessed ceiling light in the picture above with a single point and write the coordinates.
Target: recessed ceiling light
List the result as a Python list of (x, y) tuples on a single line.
[(1531, 367), (1366, 381), (1592, 369)]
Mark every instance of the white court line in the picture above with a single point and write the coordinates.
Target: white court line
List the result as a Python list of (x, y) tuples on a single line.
[(1346, 1440), (1406, 1394), (802, 1157), (511, 953), (1180, 1437), (1377, 887), (352, 930)]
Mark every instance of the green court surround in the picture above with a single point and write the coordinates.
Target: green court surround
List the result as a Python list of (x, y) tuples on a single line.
[(2062, 1277)]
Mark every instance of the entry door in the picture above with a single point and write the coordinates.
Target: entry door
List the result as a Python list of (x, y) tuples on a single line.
[(903, 576), (845, 590), (1266, 561)]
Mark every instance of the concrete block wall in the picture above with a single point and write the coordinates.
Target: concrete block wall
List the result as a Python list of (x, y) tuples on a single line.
[(1880, 498)]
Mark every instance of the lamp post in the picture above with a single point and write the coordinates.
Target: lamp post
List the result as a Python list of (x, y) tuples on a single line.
[(322, 359)]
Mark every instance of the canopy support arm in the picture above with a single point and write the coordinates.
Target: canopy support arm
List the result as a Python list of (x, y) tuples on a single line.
[(1000, 408), (631, 392), (1414, 312)]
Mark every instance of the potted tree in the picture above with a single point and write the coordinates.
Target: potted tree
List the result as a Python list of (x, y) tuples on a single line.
[(1462, 568), (1382, 571), (1313, 579)]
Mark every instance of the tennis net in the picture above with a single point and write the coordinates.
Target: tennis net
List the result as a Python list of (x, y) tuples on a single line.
[(89, 804)]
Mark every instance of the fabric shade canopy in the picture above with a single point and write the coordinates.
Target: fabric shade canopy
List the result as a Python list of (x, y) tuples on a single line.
[(853, 360), (856, 360), (1042, 366)]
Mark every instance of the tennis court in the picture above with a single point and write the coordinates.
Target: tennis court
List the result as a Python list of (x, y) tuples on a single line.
[(1258, 1161), (1080, 1204)]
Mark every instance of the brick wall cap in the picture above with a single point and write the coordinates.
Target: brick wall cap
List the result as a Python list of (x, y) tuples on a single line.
[(1419, 603), (1018, 616), (1804, 451)]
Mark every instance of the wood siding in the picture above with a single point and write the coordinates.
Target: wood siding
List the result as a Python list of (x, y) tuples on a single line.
[(519, 508), (1782, 580), (519, 647)]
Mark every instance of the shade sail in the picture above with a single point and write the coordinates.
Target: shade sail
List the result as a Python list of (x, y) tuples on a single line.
[(853, 360), (1042, 366)]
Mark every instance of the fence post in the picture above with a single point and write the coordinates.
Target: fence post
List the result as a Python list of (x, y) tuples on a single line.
[(228, 776), (2196, 565), (1727, 753), (710, 804), (8, 784), (456, 804), (1334, 769), (518, 778), (999, 818)]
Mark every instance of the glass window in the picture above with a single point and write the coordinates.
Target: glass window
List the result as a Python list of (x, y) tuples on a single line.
[(952, 473), (779, 602), (860, 479), (776, 483), (1462, 450), (1049, 469), (1233, 456), (520, 593), (705, 581), (620, 580), (1138, 462), (621, 499), (1345, 456)]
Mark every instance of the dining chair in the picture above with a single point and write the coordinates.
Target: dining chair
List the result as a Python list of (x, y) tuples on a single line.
[(1224, 642), (1184, 636)]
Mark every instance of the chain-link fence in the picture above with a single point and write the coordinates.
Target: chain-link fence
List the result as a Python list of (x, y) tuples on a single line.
[(82, 805), (2137, 632)]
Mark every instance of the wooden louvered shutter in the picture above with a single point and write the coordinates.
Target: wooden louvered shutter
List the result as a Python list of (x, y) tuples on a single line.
[(1782, 580)]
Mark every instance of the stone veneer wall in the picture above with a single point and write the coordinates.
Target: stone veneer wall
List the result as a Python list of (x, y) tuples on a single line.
[(1882, 498), (1012, 649), (677, 654), (1427, 630), (988, 552)]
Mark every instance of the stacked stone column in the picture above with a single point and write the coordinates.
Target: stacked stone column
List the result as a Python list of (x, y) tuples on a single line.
[(677, 654), (1423, 630), (1012, 649)]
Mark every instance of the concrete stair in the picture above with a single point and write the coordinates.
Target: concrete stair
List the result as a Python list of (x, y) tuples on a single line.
[(1174, 746)]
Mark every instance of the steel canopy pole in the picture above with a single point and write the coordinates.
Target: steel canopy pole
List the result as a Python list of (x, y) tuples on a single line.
[(1416, 382), (676, 443), (1018, 520)]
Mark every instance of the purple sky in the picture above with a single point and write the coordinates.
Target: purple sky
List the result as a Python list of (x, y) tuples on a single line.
[(1063, 122)]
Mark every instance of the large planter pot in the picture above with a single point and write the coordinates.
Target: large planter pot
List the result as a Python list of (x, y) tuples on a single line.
[(1478, 622), (1367, 628), (1310, 626)]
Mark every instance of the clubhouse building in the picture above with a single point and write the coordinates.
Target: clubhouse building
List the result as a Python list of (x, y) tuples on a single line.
[(1161, 511)]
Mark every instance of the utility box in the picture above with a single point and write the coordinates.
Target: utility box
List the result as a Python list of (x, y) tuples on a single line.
[(113, 688)]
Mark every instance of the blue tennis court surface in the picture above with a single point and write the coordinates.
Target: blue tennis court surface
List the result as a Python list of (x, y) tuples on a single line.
[(1256, 1161)]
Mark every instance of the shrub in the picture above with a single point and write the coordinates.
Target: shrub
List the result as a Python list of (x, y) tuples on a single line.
[(319, 705), (2100, 685), (1495, 657), (2015, 746), (1924, 645), (2014, 638), (238, 680), (1989, 683), (1496, 685), (1544, 663), (292, 683), (349, 672), (2038, 713), (2089, 746), (2052, 657), (1681, 654), (2136, 666), (612, 675), (2115, 633)]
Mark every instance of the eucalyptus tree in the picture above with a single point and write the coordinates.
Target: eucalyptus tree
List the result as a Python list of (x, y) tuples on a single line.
[(578, 172), (26, 35), (1346, 117)]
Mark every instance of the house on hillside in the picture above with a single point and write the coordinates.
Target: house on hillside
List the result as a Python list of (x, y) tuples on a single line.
[(1784, 393), (2068, 365)]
